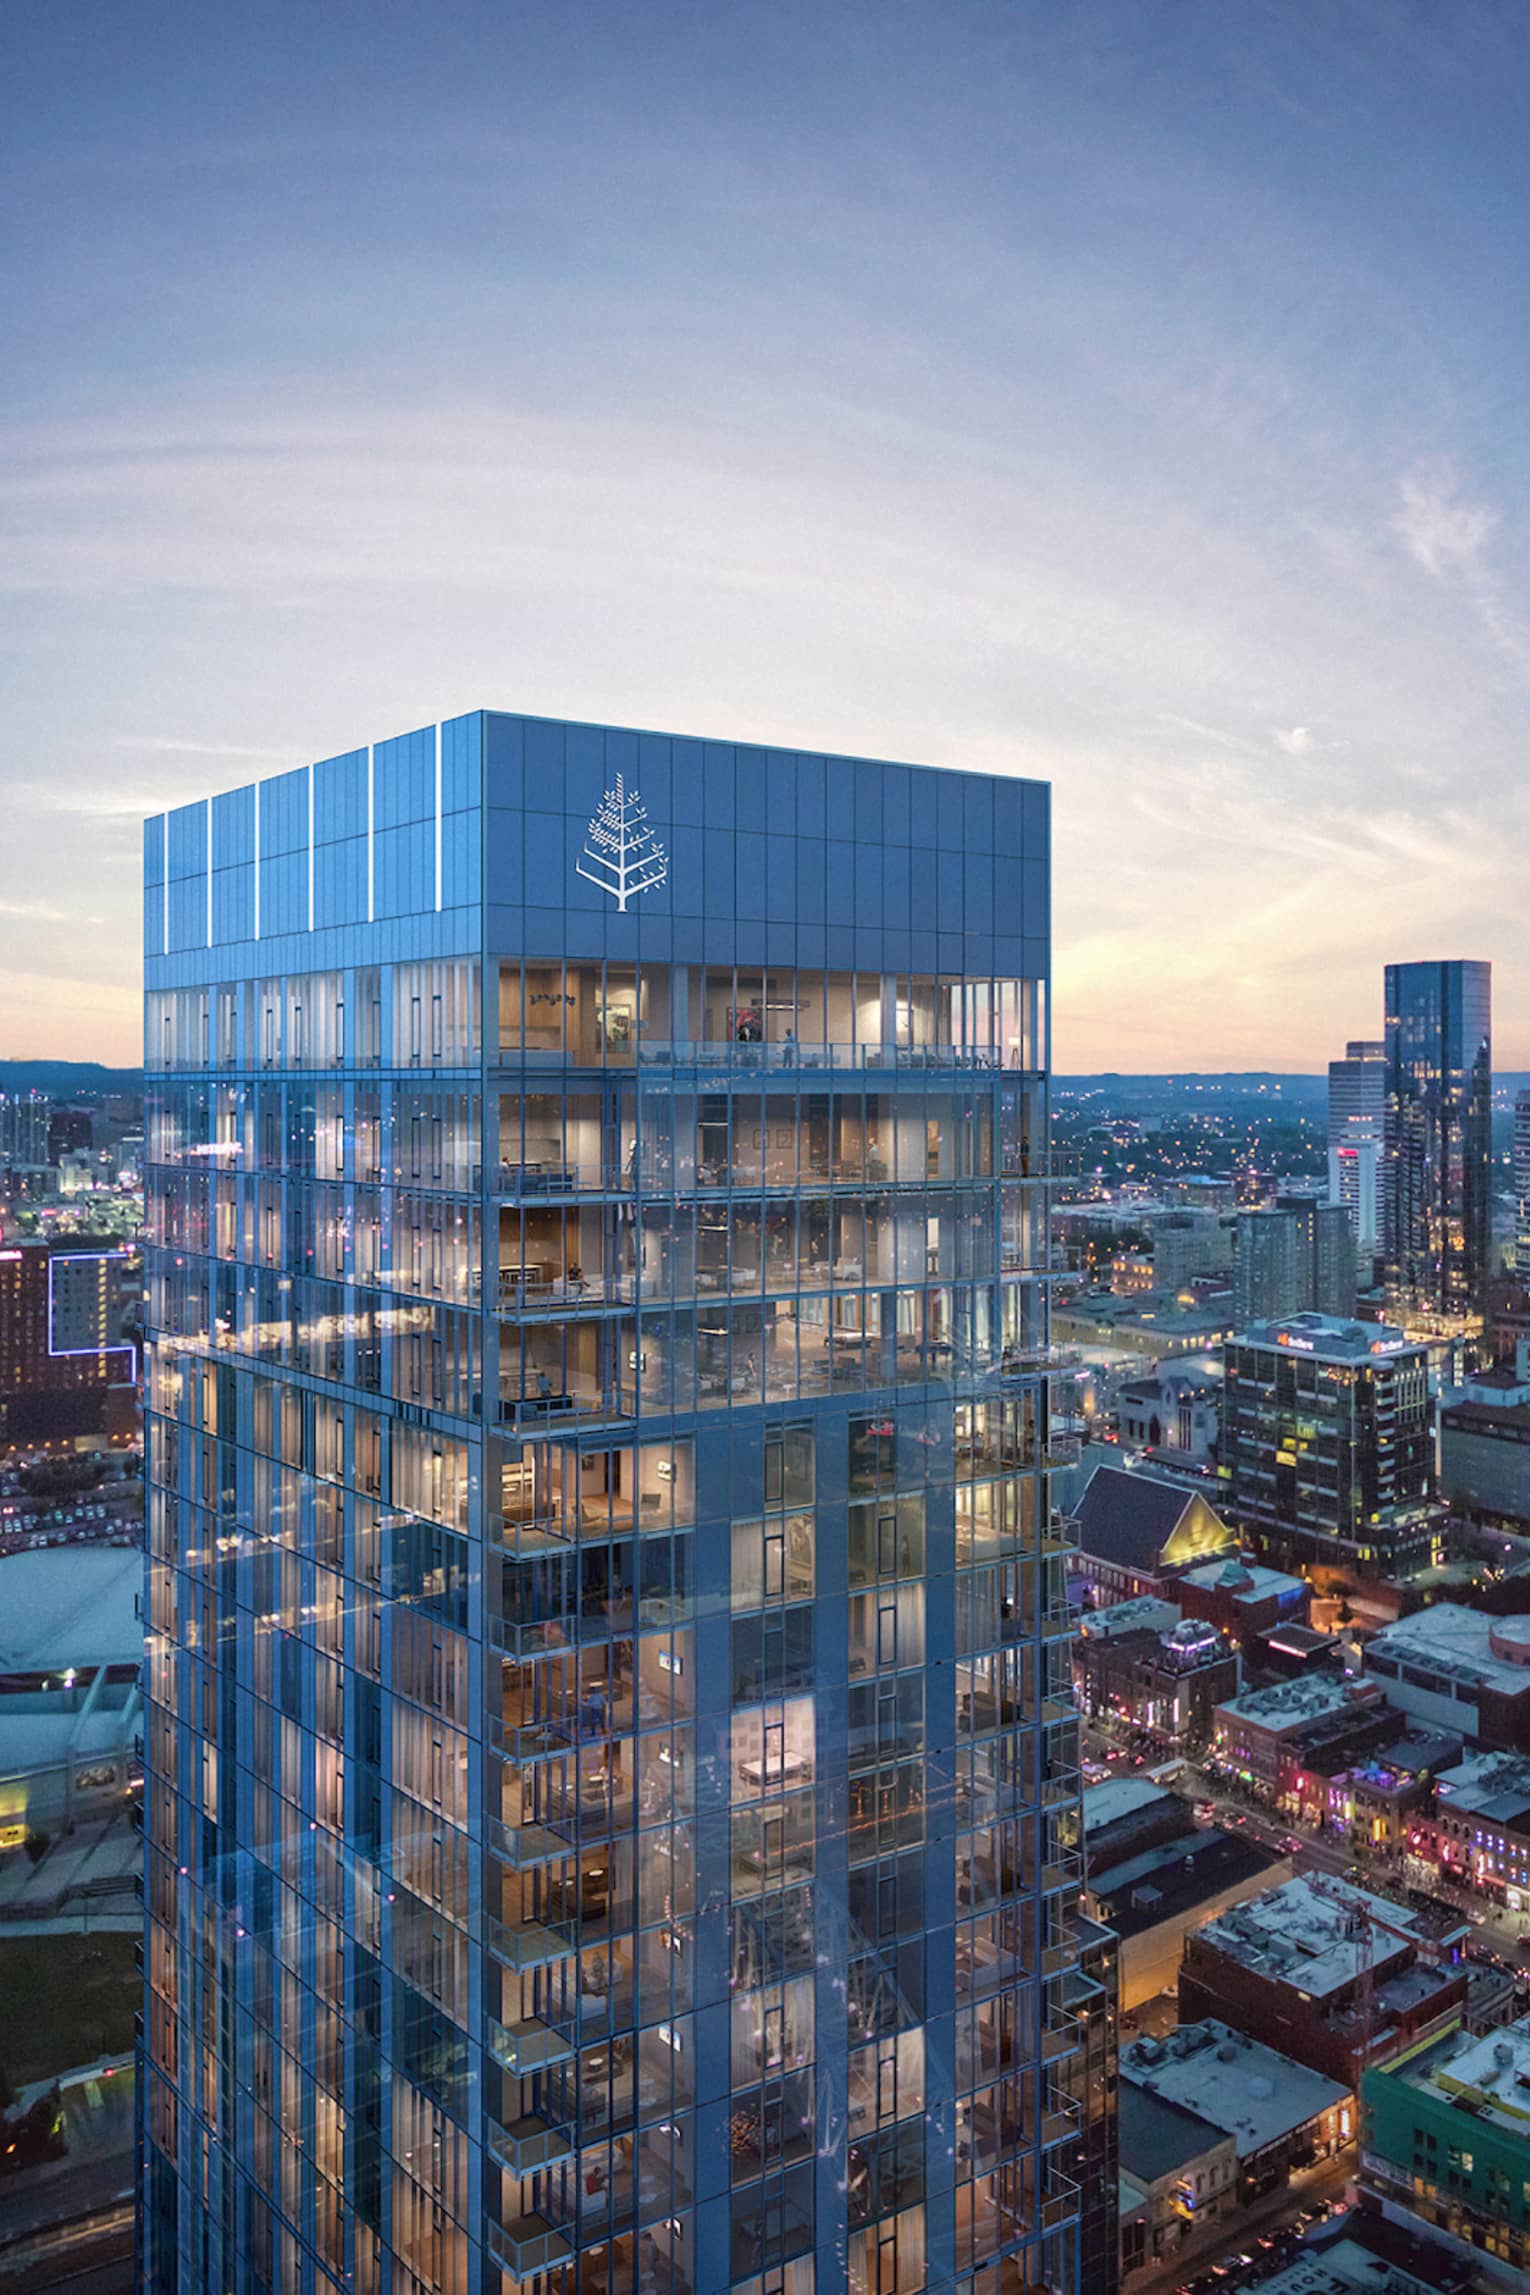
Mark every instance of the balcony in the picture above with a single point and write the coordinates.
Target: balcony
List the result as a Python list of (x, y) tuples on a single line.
[(532, 1945), (1060, 2118), (527, 2247), (1061, 2204), (523, 1847), (528, 2144), (527, 2047)]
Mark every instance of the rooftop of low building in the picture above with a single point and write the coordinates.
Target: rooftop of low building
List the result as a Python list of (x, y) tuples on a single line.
[(1253, 2093)]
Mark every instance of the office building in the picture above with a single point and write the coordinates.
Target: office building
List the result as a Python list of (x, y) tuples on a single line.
[(24, 1118), (612, 1801), (1264, 1737), (1271, 1273), (1326, 1443), (1446, 2137), (66, 1370), (1485, 1444), (1279, 2114), (1295, 1257), (1478, 1832), (1357, 1112), (1335, 1977), (1439, 1137), (1522, 1186), (1453, 1668), (1162, 1676)]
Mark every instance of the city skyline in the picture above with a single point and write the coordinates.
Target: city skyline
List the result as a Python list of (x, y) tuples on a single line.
[(1027, 396)]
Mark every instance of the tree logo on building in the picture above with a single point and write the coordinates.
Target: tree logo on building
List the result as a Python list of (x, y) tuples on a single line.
[(625, 857)]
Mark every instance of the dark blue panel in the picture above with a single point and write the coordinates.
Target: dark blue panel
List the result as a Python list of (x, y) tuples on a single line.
[(719, 872), (978, 916), (506, 832), (868, 885), (544, 834), (340, 882), (685, 870), (187, 848), (283, 894), (948, 893), (950, 800), (233, 830), (233, 901), (977, 823), (717, 774), (504, 750), (895, 886), (840, 859), (544, 765), (1036, 913), (749, 788), (868, 804), (1038, 796), (924, 809), (780, 876), (840, 791), (812, 782), (654, 779), (284, 813), (687, 766), (749, 875), (154, 849), (780, 789), (461, 864), (461, 762), (188, 912), (404, 781), (1009, 819), (812, 880), (404, 869), (895, 804), (340, 796), (587, 770)]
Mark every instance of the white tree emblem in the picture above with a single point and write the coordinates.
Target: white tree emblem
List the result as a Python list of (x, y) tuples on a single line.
[(625, 856)]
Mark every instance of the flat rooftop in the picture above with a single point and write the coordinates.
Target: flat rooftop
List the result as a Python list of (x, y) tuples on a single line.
[(1345, 2268), (1144, 1613), (1330, 1339), (1312, 1940), (1456, 1643), (1488, 2075), (1252, 2093), (1120, 1797), (63, 1606), (1286, 1703), (1247, 1582), (1483, 1780)]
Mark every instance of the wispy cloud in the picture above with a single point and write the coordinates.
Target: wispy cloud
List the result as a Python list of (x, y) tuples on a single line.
[(1448, 534), (1294, 741), (44, 912)]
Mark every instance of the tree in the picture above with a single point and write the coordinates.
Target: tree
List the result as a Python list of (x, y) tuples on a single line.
[(625, 855)]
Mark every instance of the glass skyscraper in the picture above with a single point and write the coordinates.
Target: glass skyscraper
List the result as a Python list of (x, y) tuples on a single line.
[(1439, 1105), (611, 1812)]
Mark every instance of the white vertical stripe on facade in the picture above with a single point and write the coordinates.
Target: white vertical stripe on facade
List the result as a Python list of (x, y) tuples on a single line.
[(257, 860), (438, 815), (371, 770)]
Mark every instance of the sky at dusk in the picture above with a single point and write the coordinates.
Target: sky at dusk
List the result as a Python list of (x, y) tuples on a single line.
[(1128, 395)]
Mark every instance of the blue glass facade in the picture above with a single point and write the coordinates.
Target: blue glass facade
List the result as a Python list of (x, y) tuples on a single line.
[(1439, 1136), (612, 1801)]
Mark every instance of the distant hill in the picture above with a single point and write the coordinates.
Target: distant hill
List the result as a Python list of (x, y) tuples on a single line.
[(63, 1079)]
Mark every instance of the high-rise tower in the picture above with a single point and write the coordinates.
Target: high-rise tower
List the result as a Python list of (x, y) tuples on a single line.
[(1357, 1113), (1439, 1135), (612, 1800)]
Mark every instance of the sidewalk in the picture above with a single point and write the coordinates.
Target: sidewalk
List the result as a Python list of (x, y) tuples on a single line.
[(95, 1866)]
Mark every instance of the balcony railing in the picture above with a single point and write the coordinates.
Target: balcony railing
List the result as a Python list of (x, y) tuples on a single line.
[(527, 2047), (527, 2247), (528, 2144)]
